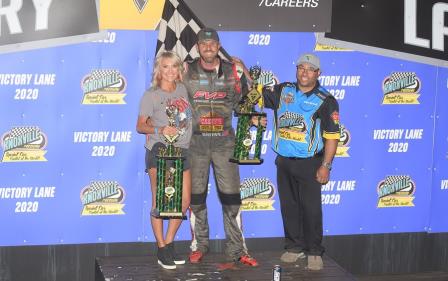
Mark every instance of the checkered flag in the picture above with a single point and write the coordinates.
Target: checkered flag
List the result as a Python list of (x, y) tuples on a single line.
[(178, 30), (389, 180), (100, 73), (19, 131), (395, 76), (98, 185), (249, 182)]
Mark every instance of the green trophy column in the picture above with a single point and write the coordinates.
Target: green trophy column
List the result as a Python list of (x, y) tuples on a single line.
[(258, 139), (241, 151), (161, 169), (179, 184)]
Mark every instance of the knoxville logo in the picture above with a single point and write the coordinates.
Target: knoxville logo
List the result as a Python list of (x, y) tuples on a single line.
[(102, 198), (24, 144), (401, 88), (396, 191), (257, 194), (103, 86)]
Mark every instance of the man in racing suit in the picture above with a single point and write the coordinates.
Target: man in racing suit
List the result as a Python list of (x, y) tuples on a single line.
[(215, 88)]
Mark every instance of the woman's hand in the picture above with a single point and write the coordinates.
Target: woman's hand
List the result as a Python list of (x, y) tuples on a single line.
[(169, 131)]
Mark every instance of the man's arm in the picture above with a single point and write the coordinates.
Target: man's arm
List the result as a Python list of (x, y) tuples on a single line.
[(323, 173), (271, 96), (329, 115)]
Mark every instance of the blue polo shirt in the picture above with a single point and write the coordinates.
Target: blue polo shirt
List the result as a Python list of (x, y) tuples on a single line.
[(301, 120)]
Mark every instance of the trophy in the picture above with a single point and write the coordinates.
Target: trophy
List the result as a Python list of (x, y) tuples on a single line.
[(246, 111), (169, 175)]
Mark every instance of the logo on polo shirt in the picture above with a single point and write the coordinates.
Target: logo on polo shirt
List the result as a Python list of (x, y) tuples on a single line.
[(291, 126)]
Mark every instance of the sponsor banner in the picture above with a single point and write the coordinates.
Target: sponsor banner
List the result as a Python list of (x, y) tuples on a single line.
[(46, 23), (264, 15), (130, 14), (421, 35)]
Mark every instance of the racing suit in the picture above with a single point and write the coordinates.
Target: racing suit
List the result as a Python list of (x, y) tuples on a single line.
[(214, 95)]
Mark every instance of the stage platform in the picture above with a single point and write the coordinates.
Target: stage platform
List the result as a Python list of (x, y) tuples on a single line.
[(214, 267)]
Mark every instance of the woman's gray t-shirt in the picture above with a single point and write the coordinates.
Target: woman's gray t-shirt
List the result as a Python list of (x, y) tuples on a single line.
[(155, 104)]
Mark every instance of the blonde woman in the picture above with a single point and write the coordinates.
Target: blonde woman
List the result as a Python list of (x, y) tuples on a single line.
[(166, 94)]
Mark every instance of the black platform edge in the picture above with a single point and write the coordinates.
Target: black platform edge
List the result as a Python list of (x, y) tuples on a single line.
[(214, 266), (399, 253)]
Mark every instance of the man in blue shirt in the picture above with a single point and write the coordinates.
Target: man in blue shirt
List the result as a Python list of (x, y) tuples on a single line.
[(306, 124)]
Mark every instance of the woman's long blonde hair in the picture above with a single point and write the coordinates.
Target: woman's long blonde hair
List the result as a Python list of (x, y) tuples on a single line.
[(156, 69)]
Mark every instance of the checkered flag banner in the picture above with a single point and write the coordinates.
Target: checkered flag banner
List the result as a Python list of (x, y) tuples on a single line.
[(389, 180), (400, 75), (100, 73), (98, 185), (178, 30), (19, 131), (249, 182)]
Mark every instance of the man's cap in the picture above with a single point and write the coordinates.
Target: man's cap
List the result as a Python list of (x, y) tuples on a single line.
[(311, 59), (208, 33)]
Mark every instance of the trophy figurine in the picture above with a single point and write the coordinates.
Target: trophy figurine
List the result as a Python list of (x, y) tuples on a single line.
[(169, 175), (246, 111)]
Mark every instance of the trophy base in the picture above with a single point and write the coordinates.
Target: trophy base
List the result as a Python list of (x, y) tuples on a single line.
[(170, 157), (167, 215), (246, 161), (252, 113)]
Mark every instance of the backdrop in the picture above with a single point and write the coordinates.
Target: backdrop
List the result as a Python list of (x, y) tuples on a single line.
[(72, 163)]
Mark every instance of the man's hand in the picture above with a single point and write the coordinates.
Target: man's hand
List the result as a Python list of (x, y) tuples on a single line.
[(323, 174), (240, 64)]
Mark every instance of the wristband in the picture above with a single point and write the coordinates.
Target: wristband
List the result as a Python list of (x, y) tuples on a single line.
[(327, 165)]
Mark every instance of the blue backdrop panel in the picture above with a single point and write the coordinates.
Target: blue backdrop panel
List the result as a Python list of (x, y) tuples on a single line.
[(439, 192), (72, 167)]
